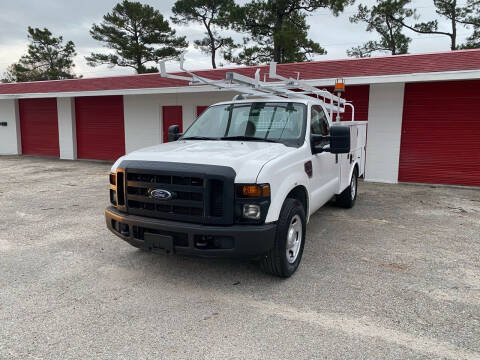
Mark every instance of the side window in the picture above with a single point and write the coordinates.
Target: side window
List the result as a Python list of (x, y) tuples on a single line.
[(319, 124)]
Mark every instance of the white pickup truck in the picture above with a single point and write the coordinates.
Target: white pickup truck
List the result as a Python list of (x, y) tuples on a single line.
[(242, 181)]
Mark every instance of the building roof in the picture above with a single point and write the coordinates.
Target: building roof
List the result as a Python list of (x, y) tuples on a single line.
[(459, 60)]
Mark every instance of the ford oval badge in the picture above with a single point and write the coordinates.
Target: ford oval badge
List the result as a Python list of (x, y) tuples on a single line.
[(161, 194)]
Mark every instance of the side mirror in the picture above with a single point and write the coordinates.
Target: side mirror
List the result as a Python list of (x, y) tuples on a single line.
[(338, 142), (173, 133), (340, 139)]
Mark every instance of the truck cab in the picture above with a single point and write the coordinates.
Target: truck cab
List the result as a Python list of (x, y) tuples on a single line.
[(242, 181)]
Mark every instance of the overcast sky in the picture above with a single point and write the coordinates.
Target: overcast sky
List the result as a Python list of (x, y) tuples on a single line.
[(73, 19)]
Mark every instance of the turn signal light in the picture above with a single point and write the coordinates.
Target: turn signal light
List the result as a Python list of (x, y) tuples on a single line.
[(254, 191), (113, 179)]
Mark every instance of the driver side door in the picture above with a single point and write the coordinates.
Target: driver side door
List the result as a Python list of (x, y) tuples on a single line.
[(325, 175)]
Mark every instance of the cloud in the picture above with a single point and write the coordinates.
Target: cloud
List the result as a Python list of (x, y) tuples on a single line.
[(73, 19)]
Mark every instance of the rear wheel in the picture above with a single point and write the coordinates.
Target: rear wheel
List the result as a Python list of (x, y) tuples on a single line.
[(347, 198), (284, 259)]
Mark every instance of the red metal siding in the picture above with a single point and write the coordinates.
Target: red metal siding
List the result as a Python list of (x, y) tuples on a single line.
[(172, 115), (440, 141), (359, 96), (201, 109), (39, 127), (100, 127)]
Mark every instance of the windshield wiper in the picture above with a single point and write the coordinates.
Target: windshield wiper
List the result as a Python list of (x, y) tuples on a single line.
[(198, 138), (247, 138)]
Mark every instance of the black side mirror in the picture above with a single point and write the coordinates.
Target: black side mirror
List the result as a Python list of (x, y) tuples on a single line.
[(173, 133), (338, 140)]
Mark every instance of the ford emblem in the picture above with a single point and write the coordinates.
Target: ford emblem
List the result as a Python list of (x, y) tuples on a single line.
[(161, 194)]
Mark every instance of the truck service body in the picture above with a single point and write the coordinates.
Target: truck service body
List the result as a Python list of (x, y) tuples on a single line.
[(242, 181)]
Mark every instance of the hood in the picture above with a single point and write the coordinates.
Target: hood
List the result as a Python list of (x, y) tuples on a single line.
[(246, 157)]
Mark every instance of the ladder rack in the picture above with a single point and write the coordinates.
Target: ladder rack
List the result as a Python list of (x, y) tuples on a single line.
[(279, 87)]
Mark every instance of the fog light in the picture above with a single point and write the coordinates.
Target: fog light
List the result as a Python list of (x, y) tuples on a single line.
[(251, 211)]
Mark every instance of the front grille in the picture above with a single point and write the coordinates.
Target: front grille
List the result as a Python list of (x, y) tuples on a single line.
[(196, 197), (188, 194)]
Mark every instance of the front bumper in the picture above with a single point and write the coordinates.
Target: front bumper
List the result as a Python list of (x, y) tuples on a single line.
[(191, 239)]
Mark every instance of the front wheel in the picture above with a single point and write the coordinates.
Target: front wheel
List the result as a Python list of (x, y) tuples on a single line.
[(284, 258), (347, 198)]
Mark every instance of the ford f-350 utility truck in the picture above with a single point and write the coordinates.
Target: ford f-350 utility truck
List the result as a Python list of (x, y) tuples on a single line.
[(242, 181)]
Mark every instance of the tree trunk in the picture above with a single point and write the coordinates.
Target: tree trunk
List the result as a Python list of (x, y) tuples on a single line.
[(212, 41), (453, 37), (212, 47), (277, 49)]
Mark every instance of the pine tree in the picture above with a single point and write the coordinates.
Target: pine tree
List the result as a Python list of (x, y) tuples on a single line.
[(138, 36), (47, 58), (379, 19), (214, 15)]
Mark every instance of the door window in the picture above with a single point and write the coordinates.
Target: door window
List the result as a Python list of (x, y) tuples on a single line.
[(319, 124)]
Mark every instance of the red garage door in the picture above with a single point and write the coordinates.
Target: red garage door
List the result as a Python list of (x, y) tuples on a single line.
[(440, 141), (39, 126), (171, 115), (200, 110), (100, 128)]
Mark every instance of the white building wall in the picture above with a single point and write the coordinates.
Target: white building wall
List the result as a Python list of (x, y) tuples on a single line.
[(385, 112), (10, 136), (143, 114), (67, 137)]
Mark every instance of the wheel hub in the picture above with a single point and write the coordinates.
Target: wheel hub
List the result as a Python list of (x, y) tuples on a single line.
[(294, 239), (353, 186)]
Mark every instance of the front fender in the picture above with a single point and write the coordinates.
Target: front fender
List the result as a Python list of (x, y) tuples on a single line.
[(284, 174)]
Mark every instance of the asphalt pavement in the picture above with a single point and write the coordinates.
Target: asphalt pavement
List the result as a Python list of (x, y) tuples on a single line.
[(396, 277)]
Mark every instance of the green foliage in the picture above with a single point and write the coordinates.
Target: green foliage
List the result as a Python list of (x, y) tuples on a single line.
[(213, 15), (47, 58), (471, 17), (466, 15), (138, 36), (277, 30), (379, 19)]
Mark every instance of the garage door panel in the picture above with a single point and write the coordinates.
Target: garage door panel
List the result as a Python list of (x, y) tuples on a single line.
[(171, 115), (39, 127), (440, 133), (100, 127)]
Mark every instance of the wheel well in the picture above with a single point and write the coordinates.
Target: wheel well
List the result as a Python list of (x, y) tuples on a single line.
[(300, 193)]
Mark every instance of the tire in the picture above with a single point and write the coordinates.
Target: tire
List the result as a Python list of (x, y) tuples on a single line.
[(347, 198), (292, 220)]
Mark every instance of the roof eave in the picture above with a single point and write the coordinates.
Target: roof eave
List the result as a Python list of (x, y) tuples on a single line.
[(357, 80)]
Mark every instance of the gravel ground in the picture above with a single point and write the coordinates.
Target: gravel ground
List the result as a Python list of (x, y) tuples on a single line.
[(396, 277)]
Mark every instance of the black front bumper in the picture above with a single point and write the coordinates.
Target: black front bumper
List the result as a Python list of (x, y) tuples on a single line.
[(191, 239)]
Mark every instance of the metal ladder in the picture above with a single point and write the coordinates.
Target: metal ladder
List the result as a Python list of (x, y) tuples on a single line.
[(282, 87)]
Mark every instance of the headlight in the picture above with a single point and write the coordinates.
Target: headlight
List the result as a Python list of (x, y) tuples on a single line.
[(251, 211), (251, 203)]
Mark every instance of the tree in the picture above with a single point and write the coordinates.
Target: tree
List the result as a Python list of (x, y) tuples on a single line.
[(472, 18), (213, 15), (138, 36), (277, 30), (449, 9), (473, 41), (47, 58), (379, 18)]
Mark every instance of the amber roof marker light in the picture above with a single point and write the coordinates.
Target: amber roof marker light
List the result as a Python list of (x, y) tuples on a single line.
[(339, 89)]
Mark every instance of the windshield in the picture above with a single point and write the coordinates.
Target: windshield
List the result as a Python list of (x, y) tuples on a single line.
[(258, 121)]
